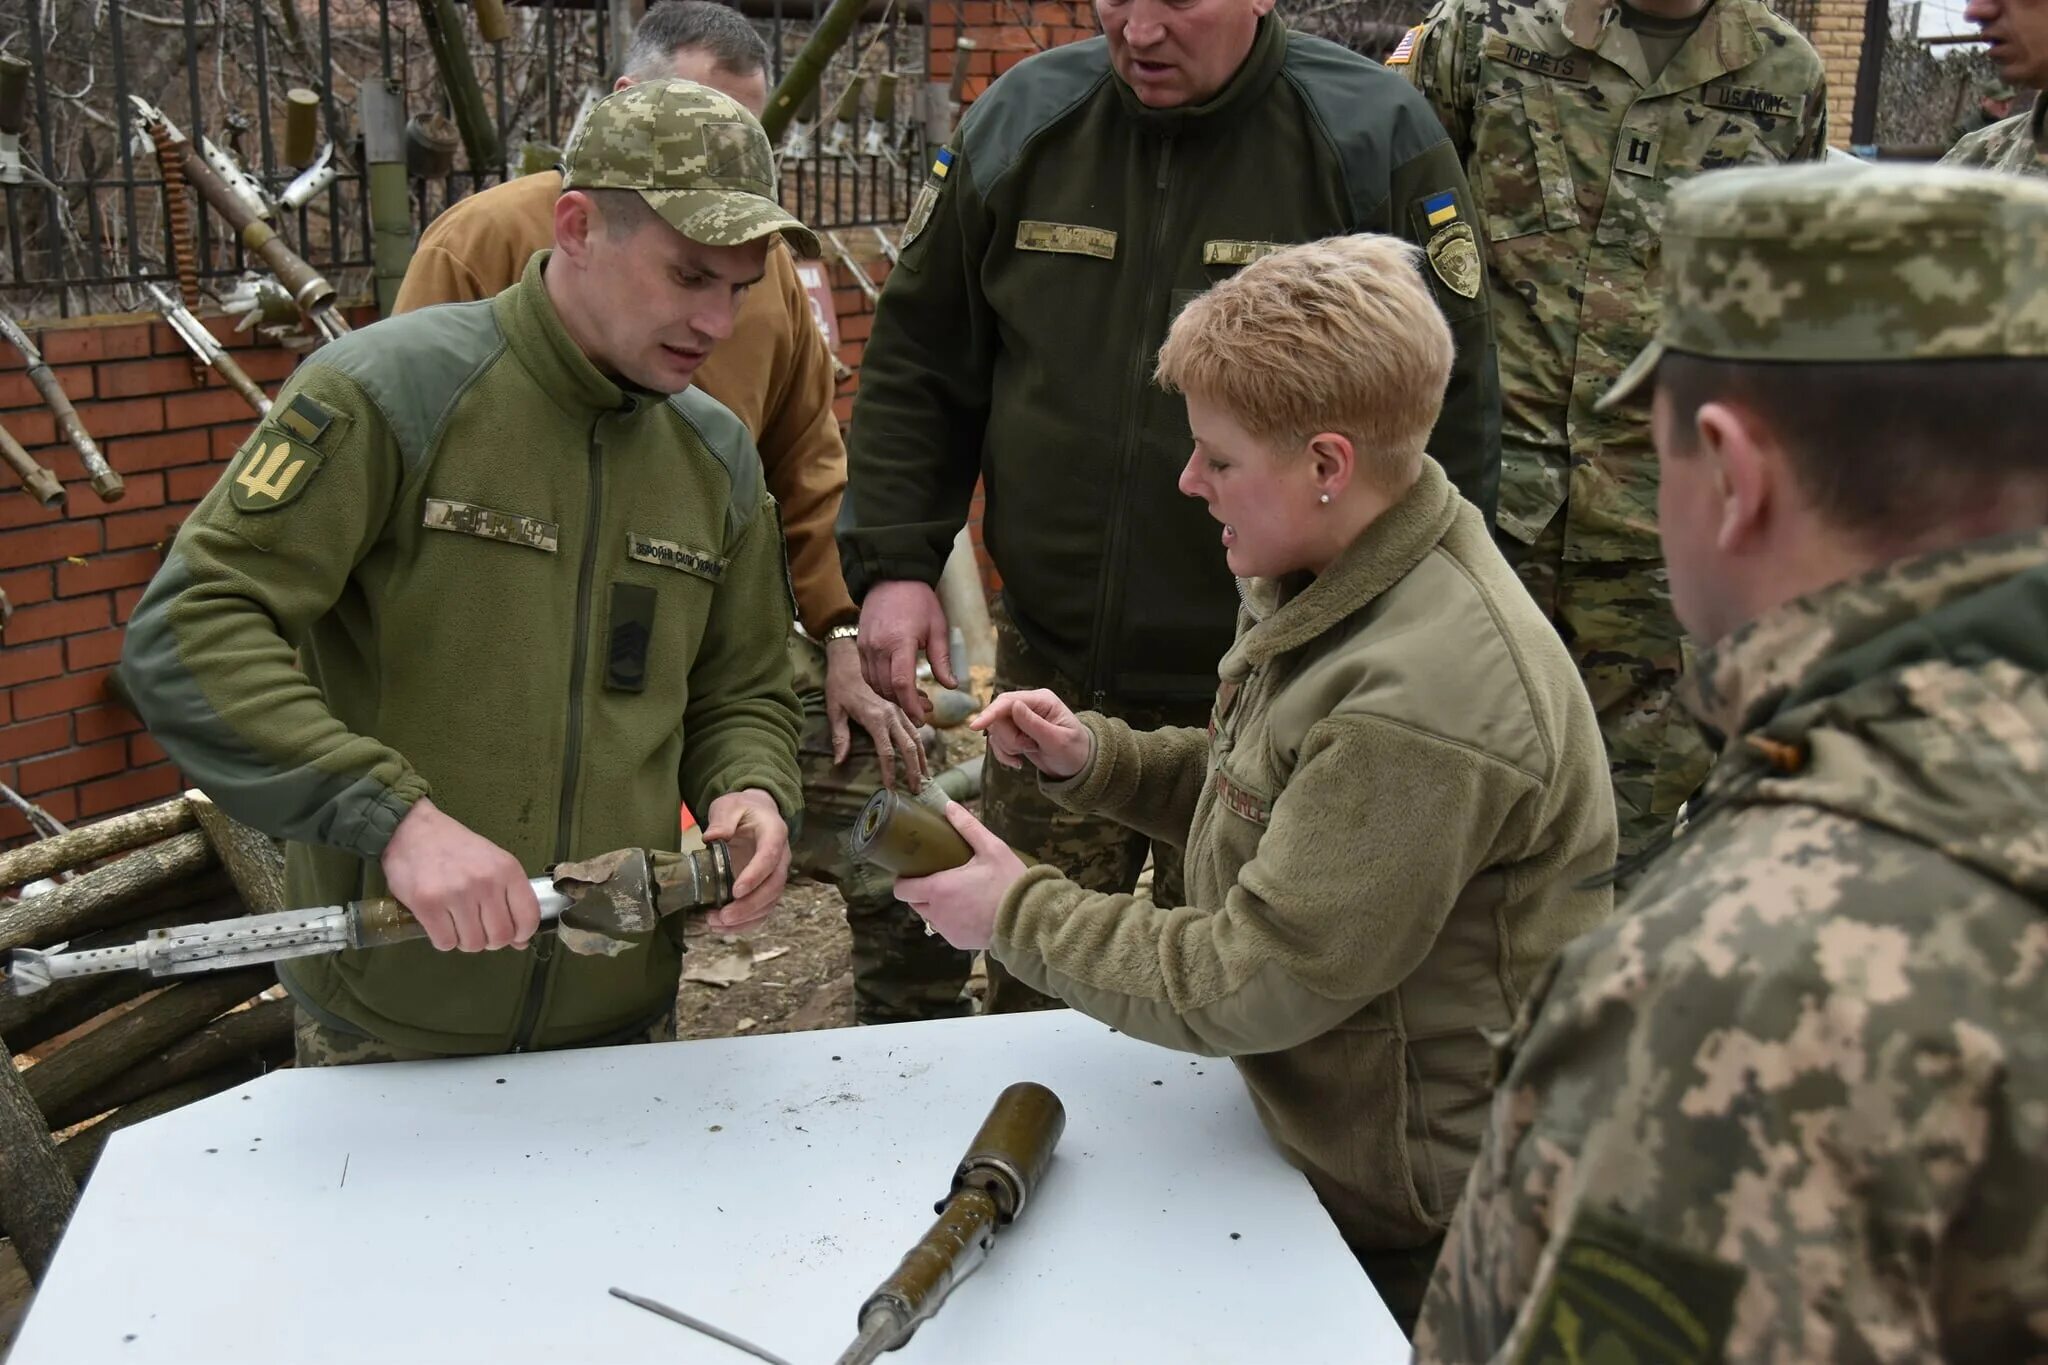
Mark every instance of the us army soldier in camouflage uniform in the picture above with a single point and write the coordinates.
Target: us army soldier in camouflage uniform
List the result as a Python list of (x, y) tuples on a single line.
[(1575, 118), (2018, 33), (1792, 1103), (495, 587)]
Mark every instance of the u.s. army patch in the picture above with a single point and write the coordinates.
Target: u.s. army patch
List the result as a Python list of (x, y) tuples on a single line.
[(274, 469), (1454, 255)]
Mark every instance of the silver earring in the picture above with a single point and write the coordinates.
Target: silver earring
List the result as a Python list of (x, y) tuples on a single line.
[(1326, 499)]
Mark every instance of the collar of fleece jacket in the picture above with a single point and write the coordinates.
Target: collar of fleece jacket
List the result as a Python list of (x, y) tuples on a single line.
[(1288, 616)]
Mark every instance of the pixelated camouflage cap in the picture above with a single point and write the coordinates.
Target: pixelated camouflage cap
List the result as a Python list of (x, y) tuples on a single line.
[(1822, 262), (698, 158)]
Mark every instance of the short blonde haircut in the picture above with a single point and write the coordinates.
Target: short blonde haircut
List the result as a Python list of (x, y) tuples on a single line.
[(1341, 335)]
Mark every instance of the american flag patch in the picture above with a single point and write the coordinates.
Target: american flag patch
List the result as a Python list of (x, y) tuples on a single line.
[(1404, 51)]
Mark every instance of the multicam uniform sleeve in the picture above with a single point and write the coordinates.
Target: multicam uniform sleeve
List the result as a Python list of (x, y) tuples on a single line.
[(740, 724), (1437, 67), (1813, 139), (913, 451), (210, 656), (1764, 1143)]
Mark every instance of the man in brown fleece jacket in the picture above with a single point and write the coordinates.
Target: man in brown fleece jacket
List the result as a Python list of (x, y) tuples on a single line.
[(775, 374), (1389, 823)]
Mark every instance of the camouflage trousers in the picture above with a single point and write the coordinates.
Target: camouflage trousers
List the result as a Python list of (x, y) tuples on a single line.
[(1093, 852), (318, 1044), (900, 973), (1616, 619)]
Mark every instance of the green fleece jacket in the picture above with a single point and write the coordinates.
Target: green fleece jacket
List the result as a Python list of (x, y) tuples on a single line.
[(459, 561), (1386, 829), (1054, 242)]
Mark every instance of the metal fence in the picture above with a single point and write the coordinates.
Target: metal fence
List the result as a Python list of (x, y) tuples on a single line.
[(88, 224)]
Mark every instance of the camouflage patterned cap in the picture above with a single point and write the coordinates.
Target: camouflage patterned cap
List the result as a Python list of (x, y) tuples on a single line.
[(698, 158), (1824, 262)]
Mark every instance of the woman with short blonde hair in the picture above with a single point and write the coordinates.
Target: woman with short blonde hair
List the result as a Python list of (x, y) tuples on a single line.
[(1389, 819)]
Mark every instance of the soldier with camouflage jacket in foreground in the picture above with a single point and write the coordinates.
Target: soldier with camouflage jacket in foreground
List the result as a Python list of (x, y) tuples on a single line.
[(1792, 1103)]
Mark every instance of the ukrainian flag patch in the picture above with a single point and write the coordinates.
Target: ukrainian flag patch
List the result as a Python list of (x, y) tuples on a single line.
[(943, 164), (1440, 208)]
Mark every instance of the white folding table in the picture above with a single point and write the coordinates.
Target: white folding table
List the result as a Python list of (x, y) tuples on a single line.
[(478, 1210)]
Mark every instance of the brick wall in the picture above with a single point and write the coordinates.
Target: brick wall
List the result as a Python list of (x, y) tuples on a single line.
[(74, 573), (1837, 35)]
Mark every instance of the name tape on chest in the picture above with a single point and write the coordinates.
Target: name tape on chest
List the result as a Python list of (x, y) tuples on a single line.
[(670, 555), (1068, 239), (1225, 251), (488, 523), (1241, 800), (1575, 67), (1750, 100)]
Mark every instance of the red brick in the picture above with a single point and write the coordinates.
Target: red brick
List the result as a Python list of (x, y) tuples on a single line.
[(16, 391), (70, 769), (266, 365), (46, 544), (141, 490), (65, 694), (125, 417), (142, 750), (21, 665), (103, 722), (193, 483), (854, 328), (204, 409), (29, 586), (92, 651), (133, 788), (124, 604), (131, 378), (30, 738), (156, 526), (102, 572), (159, 452), (53, 620), (33, 427), (58, 805), (227, 440), (72, 345), (6, 711)]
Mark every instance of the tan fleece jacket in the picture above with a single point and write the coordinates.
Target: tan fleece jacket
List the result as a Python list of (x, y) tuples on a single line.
[(1385, 828), (773, 371)]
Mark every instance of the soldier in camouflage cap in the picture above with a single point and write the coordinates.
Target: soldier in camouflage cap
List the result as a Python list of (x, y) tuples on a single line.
[(1575, 120), (697, 157), (495, 586), (1792, 1103)]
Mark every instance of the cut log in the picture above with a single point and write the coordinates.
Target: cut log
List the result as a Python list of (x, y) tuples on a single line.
[(253, 859), (99, 1056), (89, 843), (36, 1192), (80, 1151), (263, 1031), (15, 1292), (23, 1017), (106, 895)]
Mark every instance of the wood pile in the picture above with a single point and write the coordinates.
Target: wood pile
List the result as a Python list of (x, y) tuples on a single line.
[(84, 1058)]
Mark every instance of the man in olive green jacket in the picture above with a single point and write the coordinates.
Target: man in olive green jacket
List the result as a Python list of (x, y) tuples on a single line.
[(538, 602), (1087, 197)]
